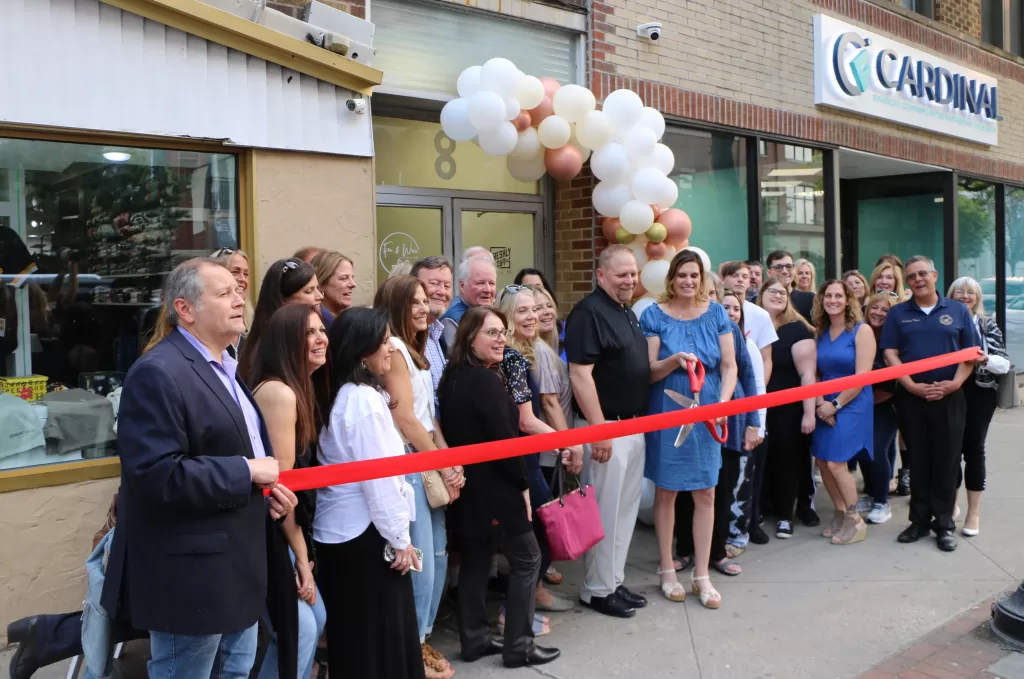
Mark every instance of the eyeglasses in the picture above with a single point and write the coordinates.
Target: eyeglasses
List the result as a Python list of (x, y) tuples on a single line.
[(774, 292), (782, 267), (289, 265), (914, 276), (495, 333)]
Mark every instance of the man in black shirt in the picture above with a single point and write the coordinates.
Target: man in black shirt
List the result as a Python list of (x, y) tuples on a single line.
[(611, 379)]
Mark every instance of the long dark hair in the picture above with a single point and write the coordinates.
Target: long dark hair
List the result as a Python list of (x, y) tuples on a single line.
[(284, 278), (353, 336), (396, 296), (461, 354), (523, 273), (283, 355)]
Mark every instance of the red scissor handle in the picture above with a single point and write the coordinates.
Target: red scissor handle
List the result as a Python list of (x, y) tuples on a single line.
[(696, 371), (713, 428)]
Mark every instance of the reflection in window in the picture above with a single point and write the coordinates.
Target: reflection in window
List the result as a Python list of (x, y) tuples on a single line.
[(792, 193), (922, 7), (711, 174), (976, 224), (87, 234), (1015, 275)]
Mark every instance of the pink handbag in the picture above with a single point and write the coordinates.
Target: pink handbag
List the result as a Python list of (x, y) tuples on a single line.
[(572, 522)]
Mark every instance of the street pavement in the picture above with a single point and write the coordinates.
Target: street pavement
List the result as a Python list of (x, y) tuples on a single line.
[(802, 609)]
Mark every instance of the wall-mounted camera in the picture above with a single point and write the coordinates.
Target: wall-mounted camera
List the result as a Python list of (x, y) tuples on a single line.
[(356, 105), (650, 31)]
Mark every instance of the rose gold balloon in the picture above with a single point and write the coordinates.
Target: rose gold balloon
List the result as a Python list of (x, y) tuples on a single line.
[(550, 86), (609, 226), (522, 121), (543, 110), (656, 250), (639, 291), (563, 163), (657, 211), (683, 244), (678, 225)]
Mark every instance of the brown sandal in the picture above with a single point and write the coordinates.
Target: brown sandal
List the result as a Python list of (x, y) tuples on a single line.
[(835, 525), (854, 529), (434, 660)]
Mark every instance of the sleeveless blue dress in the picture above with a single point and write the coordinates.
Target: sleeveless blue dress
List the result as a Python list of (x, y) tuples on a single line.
[(695, 464), (854, 429)]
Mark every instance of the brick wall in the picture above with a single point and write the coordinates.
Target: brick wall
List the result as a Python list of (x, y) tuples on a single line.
[(575, 240), (963, 15), (291, 7)]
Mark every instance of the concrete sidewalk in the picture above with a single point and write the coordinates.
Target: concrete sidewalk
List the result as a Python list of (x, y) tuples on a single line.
[(802, 609)]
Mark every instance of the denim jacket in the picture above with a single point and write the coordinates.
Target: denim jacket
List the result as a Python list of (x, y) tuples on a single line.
[(96, 628)]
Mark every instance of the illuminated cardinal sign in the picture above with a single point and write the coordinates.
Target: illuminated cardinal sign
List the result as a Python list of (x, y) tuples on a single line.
[(876, 76)]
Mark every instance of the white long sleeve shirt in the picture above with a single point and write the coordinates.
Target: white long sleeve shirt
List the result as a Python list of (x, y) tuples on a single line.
[(361, 428)]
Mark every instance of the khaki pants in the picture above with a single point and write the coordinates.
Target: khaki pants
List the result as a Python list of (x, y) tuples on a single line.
[(617, 484)]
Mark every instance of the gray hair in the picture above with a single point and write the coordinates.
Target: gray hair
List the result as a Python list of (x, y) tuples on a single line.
[(610, 252), (431, 263), (477, 251), (966, 282), (185, 282), (466, 265), (919, 258)]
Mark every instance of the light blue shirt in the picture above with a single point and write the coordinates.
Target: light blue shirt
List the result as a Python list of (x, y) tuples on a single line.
[(435, 356), (225, 370)]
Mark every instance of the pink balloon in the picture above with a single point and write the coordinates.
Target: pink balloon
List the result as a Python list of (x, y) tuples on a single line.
[(608, 228), (522, 121), (563, 163), (678, 225), (656, 250), (543, 110), (550, 86)]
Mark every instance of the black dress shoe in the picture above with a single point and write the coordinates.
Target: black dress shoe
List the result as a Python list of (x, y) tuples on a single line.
[(758, 536), (913, 533), (903, 483), (24, 663), (538, 655), (945, 540), (492, 648), (610, 605), (808, 517), (634, 600)]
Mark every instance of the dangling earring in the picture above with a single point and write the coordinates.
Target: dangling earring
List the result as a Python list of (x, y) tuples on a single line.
[(363, 364)]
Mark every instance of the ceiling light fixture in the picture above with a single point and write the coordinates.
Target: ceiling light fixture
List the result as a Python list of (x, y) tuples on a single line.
[(117, 156)]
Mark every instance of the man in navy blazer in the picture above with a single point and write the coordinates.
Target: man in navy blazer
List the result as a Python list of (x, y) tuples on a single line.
[(188, 560)]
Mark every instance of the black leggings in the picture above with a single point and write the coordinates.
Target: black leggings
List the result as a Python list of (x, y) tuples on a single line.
[(788, 463), (981, 406)]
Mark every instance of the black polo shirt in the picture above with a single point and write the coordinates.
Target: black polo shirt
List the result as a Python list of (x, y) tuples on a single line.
[(917, 335), (603, 333)]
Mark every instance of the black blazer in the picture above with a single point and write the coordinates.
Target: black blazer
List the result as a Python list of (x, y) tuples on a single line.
[(189, 553)]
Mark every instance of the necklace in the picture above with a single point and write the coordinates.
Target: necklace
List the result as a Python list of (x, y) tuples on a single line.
[(679, 315)]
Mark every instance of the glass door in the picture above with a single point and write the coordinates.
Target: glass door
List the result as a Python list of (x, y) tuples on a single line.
[(408, 228), (510, 230)]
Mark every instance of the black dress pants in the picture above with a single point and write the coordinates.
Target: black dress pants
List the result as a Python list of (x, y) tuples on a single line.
[(934, 430), (981, 406), (788, 462)]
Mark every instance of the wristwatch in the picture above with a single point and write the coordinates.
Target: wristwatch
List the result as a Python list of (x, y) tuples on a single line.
[(835, 404)]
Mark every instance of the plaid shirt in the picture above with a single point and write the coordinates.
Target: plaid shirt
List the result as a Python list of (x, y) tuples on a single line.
[(435, 356)]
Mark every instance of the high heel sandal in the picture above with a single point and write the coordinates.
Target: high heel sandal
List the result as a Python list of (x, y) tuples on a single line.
[(834, 525), (854, 530), (673, 591), (433, 660), (709, 598)]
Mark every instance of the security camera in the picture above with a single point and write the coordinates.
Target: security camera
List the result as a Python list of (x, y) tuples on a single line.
[(651, 31), (356, 105)]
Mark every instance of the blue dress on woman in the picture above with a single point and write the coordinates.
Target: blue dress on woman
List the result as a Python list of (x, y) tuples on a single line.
[(855, 421), (695, 464)]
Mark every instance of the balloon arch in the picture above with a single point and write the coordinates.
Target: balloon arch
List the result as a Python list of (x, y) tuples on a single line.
[(543, 127)]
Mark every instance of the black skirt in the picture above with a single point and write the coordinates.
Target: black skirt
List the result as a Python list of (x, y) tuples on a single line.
[(372, 632)]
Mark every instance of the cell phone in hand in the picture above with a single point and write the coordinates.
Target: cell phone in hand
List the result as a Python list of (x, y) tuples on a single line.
[(389, 556)]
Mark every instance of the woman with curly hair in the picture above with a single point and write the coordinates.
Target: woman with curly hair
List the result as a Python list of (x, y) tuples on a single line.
[(846, 346)]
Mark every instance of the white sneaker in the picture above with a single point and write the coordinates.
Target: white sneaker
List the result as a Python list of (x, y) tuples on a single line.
[(865, 504), (879, 514)]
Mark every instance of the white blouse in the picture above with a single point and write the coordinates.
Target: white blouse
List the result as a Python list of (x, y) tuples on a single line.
[(422, 388), (361, 428)]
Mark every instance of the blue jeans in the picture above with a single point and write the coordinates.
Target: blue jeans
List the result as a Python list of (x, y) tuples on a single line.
[(311, 625), (187, 656), (428, 534), (877, 471)]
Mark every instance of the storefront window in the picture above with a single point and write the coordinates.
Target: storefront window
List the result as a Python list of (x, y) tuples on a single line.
[(87, 235), (1015, 275), (792, 191), (976, 228), (711, 175)]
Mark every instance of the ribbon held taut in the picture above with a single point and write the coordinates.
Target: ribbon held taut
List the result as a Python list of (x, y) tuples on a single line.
[(365, 470)]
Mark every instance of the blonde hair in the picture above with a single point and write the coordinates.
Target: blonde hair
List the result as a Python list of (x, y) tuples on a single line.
[(968, 282), (872, 300), (858, 275), (326, 262), (550, 338), (789, 314), (223, 257), (796, 273), (507, 304), (852, 313), (161, 329), (684, 257), (897, 274), (713, 282)]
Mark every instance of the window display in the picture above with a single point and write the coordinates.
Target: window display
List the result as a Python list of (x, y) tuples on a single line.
[(87, 235)]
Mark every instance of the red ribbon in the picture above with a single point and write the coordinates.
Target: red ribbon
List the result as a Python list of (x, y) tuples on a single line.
[(365, 470)]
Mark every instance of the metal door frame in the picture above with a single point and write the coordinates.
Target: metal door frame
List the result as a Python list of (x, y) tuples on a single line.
[(520, 207)]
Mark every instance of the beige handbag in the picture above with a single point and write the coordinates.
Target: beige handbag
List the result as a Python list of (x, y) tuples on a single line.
[(436, 490)]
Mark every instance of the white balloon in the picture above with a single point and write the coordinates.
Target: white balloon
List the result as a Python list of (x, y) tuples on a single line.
[(703, 256), (610, 163), (512, 109), (455, 120), (639, 141), (501, 76), (662, 158), (646, 513), (527, 144), (639, 307), (624, 107), (595, 130), (670, 196), (501, 141), (646, 185), (652, 119), (469, 82), (609, 198), (639, 248), (584, 151), (526, 169), (529, 92), (670, 252), (636, 217), (652, 276), (554, 132), (573, 102), (486, 110)]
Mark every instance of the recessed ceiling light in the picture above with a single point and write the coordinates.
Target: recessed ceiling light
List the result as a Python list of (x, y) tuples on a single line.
[(117, 156)]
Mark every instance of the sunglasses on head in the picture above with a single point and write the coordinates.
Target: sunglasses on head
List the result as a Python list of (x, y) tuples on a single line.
[(517, 288), (289, 265), (223, 251)]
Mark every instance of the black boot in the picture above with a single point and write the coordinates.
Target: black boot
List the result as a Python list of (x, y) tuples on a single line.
[(903, 484), (24, 663)]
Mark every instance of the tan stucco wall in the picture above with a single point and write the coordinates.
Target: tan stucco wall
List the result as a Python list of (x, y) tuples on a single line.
[(305, 199), (45, 536)]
